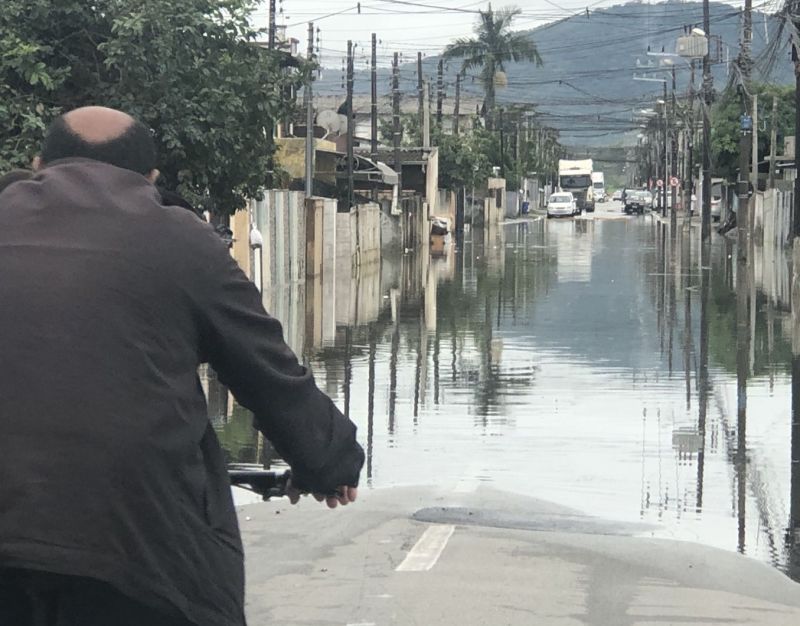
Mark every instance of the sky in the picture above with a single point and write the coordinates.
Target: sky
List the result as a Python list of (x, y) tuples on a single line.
[(403, 27)]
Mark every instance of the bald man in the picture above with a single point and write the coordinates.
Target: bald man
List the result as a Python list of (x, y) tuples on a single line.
[(115, 506)]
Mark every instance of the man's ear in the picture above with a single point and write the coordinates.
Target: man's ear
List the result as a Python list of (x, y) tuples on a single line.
[(36, 164), (153, 176)]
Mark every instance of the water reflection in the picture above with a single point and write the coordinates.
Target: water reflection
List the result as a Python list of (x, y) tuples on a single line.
[(603, 365)]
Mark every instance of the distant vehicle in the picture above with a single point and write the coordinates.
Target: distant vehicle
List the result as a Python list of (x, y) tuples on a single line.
[(599, 186), (637, 202), (562, 204), (716, 207), (617, 197), (576, 177)]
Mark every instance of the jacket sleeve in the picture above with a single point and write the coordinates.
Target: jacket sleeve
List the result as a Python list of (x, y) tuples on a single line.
[(246, 347)]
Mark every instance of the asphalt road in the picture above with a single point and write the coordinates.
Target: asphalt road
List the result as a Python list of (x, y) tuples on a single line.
[(417, 556)]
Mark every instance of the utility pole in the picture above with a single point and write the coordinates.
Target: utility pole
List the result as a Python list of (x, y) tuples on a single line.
[(705, 229), (673, 219), (743, 188), (746, 143), (457, 105), (397, 131), (309, 102), (350, 129), (421, 98), (773, 139), (373, 148), (796, 59), (754, 146), (502, 146), (689, 182), (426, 115), (374, 100), (439, 94), (665, 178), (272, 25)]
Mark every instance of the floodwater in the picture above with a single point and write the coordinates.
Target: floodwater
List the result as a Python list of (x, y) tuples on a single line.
[(594, 363)]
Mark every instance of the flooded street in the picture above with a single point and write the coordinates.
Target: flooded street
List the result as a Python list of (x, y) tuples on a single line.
[(591, 363)]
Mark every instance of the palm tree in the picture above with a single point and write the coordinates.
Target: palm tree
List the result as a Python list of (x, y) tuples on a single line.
[(494, 46)]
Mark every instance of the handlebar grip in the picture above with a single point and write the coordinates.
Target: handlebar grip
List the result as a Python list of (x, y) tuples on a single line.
[(266, 483)]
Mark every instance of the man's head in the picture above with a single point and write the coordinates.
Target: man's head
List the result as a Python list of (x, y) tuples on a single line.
[(101, 134)]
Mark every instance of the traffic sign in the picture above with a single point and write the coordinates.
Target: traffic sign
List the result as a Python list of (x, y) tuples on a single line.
[(659, 183), (674, 182)]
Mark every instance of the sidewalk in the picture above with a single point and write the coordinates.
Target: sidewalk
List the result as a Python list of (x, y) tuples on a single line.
[(420, 556)]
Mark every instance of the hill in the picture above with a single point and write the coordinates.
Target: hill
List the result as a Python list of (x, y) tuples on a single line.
[(586, 88)]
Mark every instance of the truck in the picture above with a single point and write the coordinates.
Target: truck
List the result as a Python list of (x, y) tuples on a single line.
[(599, 186), (576, 176)]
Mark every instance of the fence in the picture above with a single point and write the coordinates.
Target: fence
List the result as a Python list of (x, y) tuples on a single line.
[(772, 221)]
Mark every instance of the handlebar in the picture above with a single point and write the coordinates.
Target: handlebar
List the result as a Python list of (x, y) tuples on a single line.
[(266, 483)]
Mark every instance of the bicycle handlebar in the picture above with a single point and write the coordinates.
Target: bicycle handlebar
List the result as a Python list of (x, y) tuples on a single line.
[(266, 483)]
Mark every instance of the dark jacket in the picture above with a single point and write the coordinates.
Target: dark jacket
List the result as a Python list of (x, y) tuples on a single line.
[(108, 465)]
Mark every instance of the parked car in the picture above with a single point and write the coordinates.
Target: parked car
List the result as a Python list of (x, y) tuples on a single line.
[(617, 195), (561, 204)]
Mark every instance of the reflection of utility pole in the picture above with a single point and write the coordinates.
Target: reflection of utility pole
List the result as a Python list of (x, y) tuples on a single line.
[(742, 372), (371, 402), (395, 348), (794, 518), (793, 531), (705, 289), (348, 368)]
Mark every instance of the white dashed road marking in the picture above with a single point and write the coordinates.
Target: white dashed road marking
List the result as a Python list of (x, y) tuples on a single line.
[(428, 549)]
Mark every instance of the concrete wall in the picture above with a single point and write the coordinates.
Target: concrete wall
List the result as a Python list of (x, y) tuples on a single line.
[(357, 274), (281, 219), (773, 217)]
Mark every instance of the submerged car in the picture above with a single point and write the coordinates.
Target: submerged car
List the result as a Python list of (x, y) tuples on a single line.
[(562, 204)]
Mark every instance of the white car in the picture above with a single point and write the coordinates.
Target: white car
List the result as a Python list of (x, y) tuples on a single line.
[(716, 207), (562, 204)]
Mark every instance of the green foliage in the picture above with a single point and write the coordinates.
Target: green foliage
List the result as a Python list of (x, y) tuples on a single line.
[(186, 68), (466, 160), (725, 133)]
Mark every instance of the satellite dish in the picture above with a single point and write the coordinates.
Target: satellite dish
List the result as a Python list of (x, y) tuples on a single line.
[(331, 121)]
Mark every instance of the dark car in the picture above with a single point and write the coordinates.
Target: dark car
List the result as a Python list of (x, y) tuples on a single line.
[(635, 202)]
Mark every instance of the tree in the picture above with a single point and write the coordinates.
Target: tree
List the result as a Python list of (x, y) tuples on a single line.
[(466, 160), (189, 69), (493, 46), (725, 125)]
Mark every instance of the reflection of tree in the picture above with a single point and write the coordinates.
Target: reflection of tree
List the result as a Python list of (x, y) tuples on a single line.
[(722, 327), (474, 316), (238, 437)]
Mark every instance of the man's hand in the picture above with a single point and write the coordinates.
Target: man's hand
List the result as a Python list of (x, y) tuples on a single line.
[(344, 496)]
